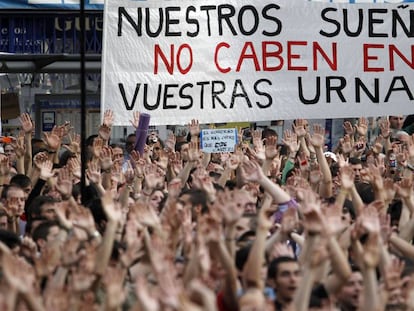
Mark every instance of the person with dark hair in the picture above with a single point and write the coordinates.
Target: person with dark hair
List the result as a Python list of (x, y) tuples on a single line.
[(65, 156), (284, 275), (89, 146), (356, 165), (130, 143), (45, 233), (23, 182), (10, 239), (268, 132), (156, 145), (13, 199), (196, 200), (40, 209), (348, 298), (157, 199)]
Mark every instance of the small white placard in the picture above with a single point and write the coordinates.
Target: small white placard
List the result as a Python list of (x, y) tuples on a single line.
[(218, 140)]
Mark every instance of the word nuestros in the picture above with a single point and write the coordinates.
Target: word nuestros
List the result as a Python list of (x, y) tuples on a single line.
[(211, 20)]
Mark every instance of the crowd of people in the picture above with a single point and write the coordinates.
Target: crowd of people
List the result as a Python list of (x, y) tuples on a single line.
[(279, 224)]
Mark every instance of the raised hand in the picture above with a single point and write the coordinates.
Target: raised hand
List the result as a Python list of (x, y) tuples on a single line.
[(105, 158), (75, 167), (346, 144), (46, 170), (39, 158), (377, 147), (251, 171), (359, 147), (75, 141), (104, 132), (385, 128), (64, 183), (405, 188), (135, 119), (271, 150), (4, 165), (257, 138), (194, 153), (299, 128), (347, 177), (311, 210), (94, 173), (64, 129), (97, 147), (348, 128), (26, 123), (163, 160), (111, 208), (108, 119), (232, 210), (153, 177), (291, 141), (19, 146), (194, 128), (318, 136), (362, 126), (52, 139)]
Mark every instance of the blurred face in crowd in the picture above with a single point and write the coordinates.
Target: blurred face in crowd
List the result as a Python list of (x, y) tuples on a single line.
[(10, 153), (357, 171), (48, 211), (350, 294), (286, 280), (51, 237), (129, 144), (156, 150), (117, 154), (17, 195), (155, 199), (396, 122), (184, 152), (245, 199), (242, 226)]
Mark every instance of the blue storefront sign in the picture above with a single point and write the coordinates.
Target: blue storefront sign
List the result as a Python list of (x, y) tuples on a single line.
[(49, 33), (51, 4)]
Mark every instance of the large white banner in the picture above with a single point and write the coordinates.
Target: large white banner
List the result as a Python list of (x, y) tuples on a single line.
[(256, 60)]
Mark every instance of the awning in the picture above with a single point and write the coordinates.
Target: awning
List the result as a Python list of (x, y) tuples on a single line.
[(51, 63)]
